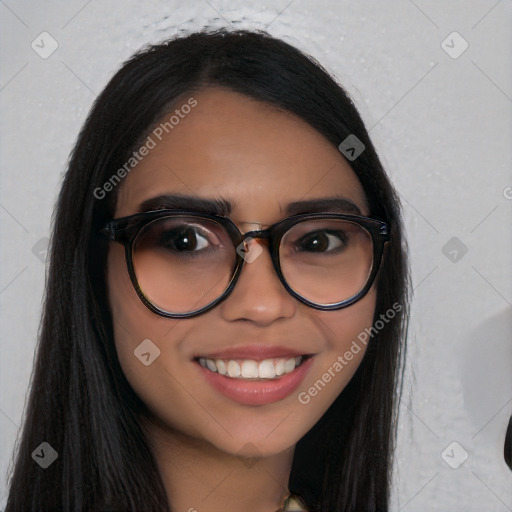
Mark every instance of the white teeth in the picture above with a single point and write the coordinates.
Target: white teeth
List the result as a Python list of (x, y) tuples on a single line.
[(266, 369), (221, 367), (289, 365), (280, 367), (233, 369), (251, 369)]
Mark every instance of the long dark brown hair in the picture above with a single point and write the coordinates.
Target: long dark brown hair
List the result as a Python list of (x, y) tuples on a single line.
[(80, 401)]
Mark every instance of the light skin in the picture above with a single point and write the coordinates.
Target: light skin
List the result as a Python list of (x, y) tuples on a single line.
[(212, 452)]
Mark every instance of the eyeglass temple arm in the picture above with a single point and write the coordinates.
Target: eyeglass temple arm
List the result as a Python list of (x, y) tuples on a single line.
[(108, 231)]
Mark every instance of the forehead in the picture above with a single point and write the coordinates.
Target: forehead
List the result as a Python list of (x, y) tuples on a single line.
[(228, 145)]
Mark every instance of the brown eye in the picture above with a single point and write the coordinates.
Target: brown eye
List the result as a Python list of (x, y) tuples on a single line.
[(183, 240), (322, 241)]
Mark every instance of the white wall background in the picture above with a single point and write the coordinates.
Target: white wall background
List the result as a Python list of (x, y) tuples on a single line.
[(443, 127)]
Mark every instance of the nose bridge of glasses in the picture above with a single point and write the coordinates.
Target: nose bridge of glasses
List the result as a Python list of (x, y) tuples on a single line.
[(253, 230), (247, 226), (248, 236)]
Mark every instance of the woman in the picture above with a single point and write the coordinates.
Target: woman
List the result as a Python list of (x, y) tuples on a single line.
[(226, 306)]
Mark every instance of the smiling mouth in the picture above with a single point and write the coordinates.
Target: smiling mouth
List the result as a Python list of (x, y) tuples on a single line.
[(249, 369)]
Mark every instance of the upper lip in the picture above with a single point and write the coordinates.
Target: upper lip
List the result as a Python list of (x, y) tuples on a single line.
[(256, 352)]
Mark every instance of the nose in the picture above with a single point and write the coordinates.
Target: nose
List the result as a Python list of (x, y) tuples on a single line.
[(258, 295)]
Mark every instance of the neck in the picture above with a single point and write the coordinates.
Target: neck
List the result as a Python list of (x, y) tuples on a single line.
[(198, 477)]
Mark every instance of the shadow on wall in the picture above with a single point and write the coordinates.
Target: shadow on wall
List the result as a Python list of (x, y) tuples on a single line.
[(486, 374), (508, 444)]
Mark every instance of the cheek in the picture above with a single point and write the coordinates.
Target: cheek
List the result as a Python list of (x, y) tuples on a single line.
[(141, 337), (131, 324), (345, 345), (132, 320), (346, 327)]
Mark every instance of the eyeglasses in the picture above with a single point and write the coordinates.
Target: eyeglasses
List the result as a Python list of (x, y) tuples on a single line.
[(183, 263)]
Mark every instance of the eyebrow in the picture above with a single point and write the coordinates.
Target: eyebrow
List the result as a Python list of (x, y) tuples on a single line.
[(223, 207)]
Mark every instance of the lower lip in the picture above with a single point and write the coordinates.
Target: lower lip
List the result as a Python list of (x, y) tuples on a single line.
[(253, 392)]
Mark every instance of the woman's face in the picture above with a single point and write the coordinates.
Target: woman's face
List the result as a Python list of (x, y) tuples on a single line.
[(260, 159)]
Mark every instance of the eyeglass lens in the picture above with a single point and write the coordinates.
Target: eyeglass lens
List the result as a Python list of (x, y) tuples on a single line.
[(185, 263)]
